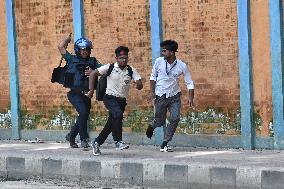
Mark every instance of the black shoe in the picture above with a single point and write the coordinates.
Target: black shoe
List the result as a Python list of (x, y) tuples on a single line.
[(73, 143), (149, 132), (84, 143)]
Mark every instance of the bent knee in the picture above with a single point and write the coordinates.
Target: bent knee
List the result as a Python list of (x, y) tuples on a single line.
[(117, 115), (175, 119)]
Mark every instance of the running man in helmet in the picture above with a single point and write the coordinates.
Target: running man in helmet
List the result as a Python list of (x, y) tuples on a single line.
[(76, 95)]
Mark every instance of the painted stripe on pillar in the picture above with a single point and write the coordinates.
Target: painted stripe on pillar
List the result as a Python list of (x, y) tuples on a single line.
[(13, 69), (78, 19), (156, 28), (156, 38), (275, 9), (245, 69)]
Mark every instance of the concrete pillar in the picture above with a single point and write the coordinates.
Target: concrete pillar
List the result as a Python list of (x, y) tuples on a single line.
[(13, 69), (245, 69)]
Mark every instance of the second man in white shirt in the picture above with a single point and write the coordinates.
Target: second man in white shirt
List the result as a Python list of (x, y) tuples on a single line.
[(118, 83)]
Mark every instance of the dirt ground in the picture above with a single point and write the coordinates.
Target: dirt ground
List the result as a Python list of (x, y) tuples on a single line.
[(37, 183)]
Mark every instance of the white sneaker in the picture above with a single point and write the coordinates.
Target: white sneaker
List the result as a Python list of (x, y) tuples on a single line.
[(120, 145), (166, 149), (96, 149)]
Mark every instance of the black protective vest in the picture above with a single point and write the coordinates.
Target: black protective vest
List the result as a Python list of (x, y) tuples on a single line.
[(75, 77)]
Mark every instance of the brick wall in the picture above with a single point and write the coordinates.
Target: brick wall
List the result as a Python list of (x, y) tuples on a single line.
[(41, 25), (113, 23), (207, 35), (262, 85), (4, 68), (205, 30)]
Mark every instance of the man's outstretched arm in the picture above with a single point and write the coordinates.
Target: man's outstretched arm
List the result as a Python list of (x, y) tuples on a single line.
[(93, 77), (63, 44)]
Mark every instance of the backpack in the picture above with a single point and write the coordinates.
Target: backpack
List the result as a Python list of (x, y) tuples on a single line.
[(102, 83)]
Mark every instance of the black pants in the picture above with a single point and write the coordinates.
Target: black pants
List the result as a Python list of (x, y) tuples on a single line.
[(82, 104), (116, 107)]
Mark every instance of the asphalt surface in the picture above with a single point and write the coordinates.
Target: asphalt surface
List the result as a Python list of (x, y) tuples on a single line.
[(143, 166), (218, 157)]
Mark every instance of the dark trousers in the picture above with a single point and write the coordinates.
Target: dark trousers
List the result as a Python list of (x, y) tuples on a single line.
[(82, 104), (173, 105), (116, 107)]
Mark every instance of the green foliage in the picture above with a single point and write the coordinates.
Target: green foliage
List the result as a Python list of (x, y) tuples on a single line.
[(138, 120), (96, 120), (5, 119), (233, 122), (271, 129), (28, 120), (257, 121), (64, 118), (193, 119)]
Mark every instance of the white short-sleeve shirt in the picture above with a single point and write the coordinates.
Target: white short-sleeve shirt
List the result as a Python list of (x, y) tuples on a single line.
[(119, 80)]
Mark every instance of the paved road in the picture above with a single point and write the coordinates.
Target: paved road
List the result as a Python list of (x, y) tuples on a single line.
[(141, 166), (231, 157)]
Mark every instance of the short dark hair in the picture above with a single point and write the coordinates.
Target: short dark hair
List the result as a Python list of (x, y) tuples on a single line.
[(121, 48), (170, 45)]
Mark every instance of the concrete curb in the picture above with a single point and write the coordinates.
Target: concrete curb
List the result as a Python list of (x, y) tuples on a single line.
[(143, 173)]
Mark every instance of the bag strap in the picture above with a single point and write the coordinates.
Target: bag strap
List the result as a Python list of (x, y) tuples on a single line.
[(60, 62), (130, 71), (95, 62), (111, 66)]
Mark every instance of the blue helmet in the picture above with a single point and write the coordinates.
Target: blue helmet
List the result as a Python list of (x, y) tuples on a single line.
[(82, 43)]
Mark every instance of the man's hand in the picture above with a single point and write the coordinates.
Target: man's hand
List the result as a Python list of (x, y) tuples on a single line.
[(152, 95), (90, 94), (138, 84), (190, 96), (68, 38), (88, 71), (63, 44)]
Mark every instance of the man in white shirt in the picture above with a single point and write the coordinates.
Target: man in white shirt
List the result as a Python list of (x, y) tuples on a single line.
[(165, 91), (118, 83)]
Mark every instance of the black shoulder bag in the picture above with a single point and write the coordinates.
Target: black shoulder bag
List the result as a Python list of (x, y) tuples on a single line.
[(58, 73)]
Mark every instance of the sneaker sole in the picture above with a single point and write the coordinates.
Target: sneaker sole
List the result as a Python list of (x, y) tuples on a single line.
[(126, 147), (162, 150), (86, 149), (96, 154)]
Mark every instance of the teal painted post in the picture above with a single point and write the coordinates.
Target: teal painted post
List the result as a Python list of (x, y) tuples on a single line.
[(13, 69), (156, 38), (78, 19), (275, 9), (245, 69)]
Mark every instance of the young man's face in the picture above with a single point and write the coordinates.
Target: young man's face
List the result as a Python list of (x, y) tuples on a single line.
[(166, 53), (122, 60), (85, 53)]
